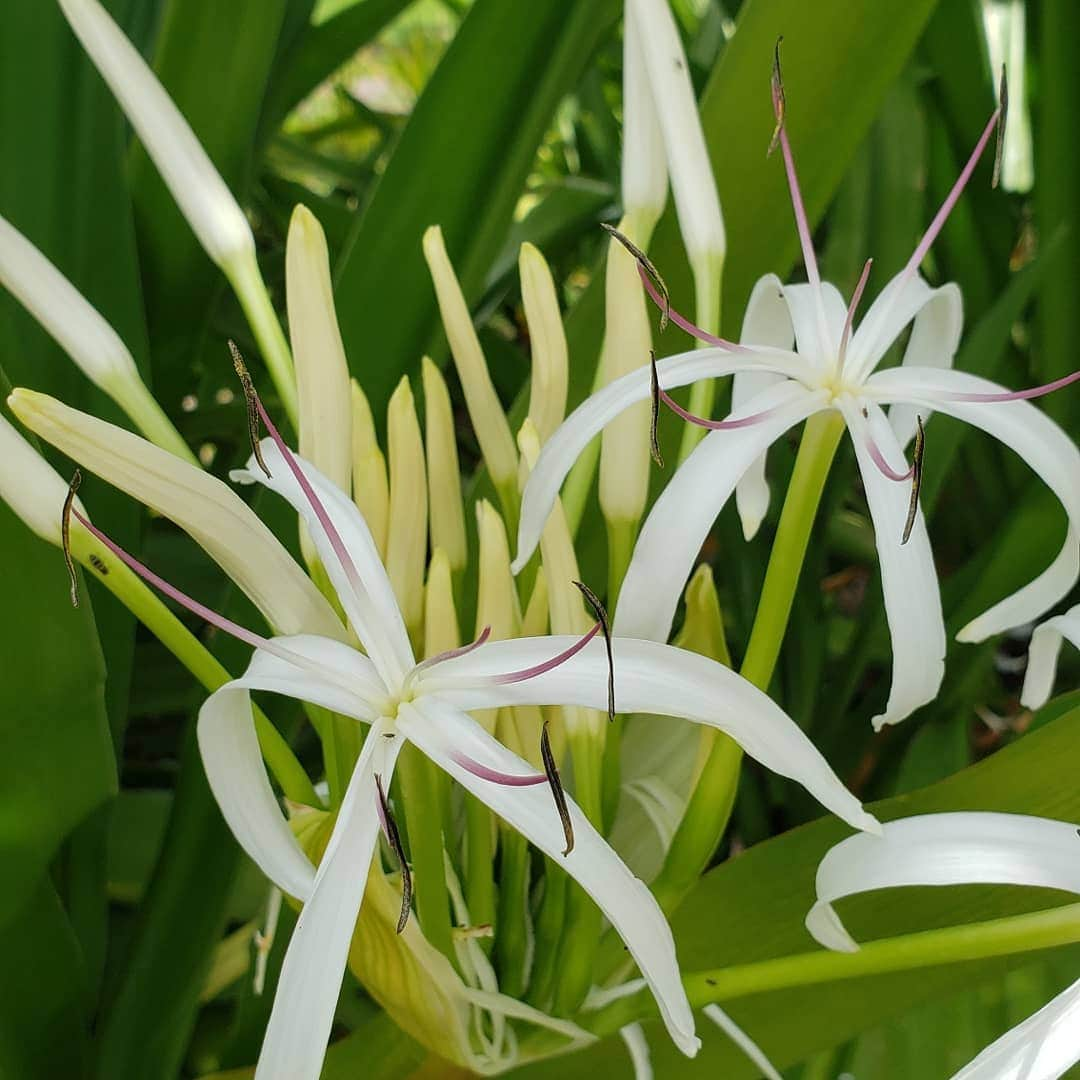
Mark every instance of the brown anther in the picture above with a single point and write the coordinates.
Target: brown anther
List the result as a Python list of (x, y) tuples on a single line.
[(645, 264), (552, 772), (393, 838), (1003, 106), (65, 535), (916, 479), (251, 400), (779, 100), (654, 438), (605, 628)]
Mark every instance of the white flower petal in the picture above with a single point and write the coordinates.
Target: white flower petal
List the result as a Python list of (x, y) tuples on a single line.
[(908, 577), (234, 765), (767, 322), (681, 518), (802, 302), (310, 981), (968, 848), (1043, 656), (198, 189), (441, 731), (1041, 443), (372, 609), (649, 678), (592, 415), (1043, 1047)]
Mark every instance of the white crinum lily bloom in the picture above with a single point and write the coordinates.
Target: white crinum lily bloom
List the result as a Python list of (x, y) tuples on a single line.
[(427, 704), (1046, 642), (834, 367), (964, 849)]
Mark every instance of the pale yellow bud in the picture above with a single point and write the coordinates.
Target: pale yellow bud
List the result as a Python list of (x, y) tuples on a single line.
[(496, 595), (447, 511), (371, 493), (535, 620), (406, 546), (547, 394), (703, 628), (441, 631)]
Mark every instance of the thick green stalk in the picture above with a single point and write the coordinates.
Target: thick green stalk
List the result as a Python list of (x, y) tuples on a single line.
[(708, 278), (621, 537), (548, 931), (479, 866), (512, 942), (135, 399)]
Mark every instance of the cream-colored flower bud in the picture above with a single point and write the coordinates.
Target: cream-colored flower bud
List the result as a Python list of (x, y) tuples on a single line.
[(322, 372), (703, 628), (406, 544), (485, 410), (496, 595), (441, 631), (447, 511), (550, 367), (370, 489)]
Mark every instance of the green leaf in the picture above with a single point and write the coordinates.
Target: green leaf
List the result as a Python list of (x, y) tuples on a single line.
[(461, 162)]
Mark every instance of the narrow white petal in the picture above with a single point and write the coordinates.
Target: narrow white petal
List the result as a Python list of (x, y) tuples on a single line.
[(1043, 656), (303, 1012), (649, 678), (802, 302), (908, 577), (441, 731), (969, 848), (198, 189), (1043, 1047), (681, 518), (742, 1041), (592, 415), (638, 1048), (767, 322), (1042, 444), (234, 765), (372, 609)]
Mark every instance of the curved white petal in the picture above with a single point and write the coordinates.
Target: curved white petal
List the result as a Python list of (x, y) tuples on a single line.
[(681, 518), (908, 577), (234, 765), (969, 848), (595, 412), (440, 730), (371, 607), (1044, 446), (767, 322), (299, 1025), (802, 301), (1043, 1047), (637, 1046), (1043, 656), (649, 678)]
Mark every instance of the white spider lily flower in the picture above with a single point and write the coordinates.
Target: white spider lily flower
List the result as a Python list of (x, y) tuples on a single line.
[(960, 849), (428, 704), (832, 369), (1046, 642)]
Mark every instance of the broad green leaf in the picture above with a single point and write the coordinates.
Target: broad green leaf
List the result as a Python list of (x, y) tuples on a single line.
[(461, 162)]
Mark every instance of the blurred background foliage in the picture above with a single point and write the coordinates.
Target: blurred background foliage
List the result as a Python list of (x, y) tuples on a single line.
[(127, 911)]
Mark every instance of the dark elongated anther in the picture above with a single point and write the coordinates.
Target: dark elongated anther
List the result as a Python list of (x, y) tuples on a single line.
[(654, 439), (778, 99), (552, 771), (646, 264), (251, 400), (65, 535), (916, 479), (393, 838), (1003, 106), (605, 628)]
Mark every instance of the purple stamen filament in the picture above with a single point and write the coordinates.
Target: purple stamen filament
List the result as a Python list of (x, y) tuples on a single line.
[(496, 777), (886, 469), (713, 425), (682, 321), (453, 654), (1016, 395), (548, 665), (856, 296)]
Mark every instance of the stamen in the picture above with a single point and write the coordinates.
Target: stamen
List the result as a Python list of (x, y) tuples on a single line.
[(65, 535), (778, 99), (601, 617), (682, 322), (496, 777), (856, 296), (393, 838), (450, 654), (1003, 104), (1016, 395), (557, 792), (648, 271), (884, 467), (692, 418), (916, 480), (548, 665), (251, 400), (654, 390)]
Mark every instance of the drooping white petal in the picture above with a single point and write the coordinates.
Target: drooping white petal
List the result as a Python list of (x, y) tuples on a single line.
[(310, 981), (968, 848), (681, 518), (234, 765), (1043, 1047), (1044, 446), (908, 577), (1043, 656), (649, 678), (196, 185), (767, 322), (442, 731), (371, 608)]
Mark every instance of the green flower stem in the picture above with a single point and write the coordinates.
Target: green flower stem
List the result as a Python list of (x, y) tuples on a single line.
[(548, 931), (710, 805), (708, 275), (133, 396), (247, 282), (512, 943), (910, 952), (479, 864), (172, 633), (621, 536), (420, 797)]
